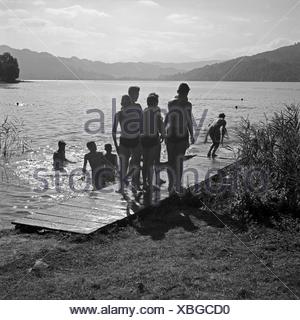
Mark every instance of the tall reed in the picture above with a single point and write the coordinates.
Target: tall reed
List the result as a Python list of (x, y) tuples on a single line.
[(274, 147), (12, 139)]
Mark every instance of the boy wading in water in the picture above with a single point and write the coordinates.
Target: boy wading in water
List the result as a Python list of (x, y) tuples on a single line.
[(216, 131), (111, 163), (152, 135), (59, 157), (97, 162)]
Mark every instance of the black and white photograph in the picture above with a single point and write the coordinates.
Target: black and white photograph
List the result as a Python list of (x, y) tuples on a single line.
[(150, 150)]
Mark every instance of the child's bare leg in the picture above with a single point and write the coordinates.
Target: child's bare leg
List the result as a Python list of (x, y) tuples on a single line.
[(145, 168), (151, 159), (210, 150), (215, 148), (124, 162)]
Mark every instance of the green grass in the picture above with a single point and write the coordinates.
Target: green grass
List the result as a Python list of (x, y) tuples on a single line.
[(173, 252)]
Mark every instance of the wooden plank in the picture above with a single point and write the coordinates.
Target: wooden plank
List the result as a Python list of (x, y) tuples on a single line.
[(79, 215), (108, 199), (86, 209), (65, 221), (98, 205), (95, 206), (53, 226)]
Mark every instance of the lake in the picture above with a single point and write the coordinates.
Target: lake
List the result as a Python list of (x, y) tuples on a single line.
[(55, 110)]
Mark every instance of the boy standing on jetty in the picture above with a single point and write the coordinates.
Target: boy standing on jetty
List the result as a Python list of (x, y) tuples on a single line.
[(135, 126), (216, 134), (129, 148), (179, 129), (152, 135)]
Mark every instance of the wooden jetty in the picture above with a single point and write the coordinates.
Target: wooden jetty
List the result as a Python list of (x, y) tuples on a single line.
[(94, 210)]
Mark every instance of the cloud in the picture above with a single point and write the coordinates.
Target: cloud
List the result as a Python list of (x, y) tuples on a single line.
[(76, 11), (148, 3), (16, 13), (239, 19), (252, 49), (182, 18), (35, 22), (39, 3)]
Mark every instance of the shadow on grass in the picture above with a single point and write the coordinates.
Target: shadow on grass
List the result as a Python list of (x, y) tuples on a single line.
[(157, 221), (216, 220)]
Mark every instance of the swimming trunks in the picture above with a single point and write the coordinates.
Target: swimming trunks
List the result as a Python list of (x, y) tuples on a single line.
[(129, 143), (149, 142), (177, 138)]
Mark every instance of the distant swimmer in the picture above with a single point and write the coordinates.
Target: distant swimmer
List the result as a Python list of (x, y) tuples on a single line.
[(236, 107), (17, 103), (216, 134), (59, 157), (242, 99)]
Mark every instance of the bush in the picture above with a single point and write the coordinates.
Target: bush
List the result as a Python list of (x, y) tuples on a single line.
[(12, 141), (272, 146)]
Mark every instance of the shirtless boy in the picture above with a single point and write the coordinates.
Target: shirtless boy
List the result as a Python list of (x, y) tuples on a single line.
[(216, 131)]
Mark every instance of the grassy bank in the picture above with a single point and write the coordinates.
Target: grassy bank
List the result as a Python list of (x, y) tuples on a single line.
[(174, 252)]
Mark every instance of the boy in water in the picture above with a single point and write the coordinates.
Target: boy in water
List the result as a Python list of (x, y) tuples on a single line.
[(111, 163), (216, 134), (59, 157), (96, 161)]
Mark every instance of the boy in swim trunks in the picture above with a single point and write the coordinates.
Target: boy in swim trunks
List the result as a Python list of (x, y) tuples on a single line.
[(97, 162), (129, 148), (216, 131), (59, 157), (179, 135), (152, 135), (111, 163)]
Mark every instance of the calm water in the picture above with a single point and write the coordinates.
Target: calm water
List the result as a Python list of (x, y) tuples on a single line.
[(54, 110)]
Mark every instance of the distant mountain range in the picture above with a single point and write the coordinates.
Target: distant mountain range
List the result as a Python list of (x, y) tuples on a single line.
[(282, 64), (45, 66)]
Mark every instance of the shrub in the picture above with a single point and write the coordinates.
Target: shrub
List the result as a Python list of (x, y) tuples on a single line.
[(274, 147), (12, 141)]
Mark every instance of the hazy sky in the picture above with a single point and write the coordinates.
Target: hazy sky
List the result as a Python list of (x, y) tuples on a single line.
[(148, 30)]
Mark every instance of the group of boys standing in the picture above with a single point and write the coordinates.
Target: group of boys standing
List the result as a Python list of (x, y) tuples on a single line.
[(143, 131), (141, 134)]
